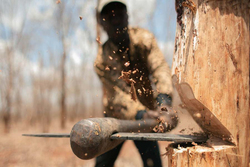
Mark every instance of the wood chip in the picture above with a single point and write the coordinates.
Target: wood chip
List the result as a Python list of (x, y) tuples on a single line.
[(139, 92), (97, 39), (161, 127), (133, 92), (111, 58), (107, 68), (135, 71), (155, 129), (141, 78), (126, 77), (127, 64)]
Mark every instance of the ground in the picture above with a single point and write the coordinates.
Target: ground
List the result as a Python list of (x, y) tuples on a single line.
[(19, 151)]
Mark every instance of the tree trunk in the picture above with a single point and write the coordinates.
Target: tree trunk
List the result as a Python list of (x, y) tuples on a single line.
[(7, 114), (7, 111), (63, 90), (212, 56)]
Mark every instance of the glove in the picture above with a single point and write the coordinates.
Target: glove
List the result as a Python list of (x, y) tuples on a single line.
[(166, 116), (164, 99)]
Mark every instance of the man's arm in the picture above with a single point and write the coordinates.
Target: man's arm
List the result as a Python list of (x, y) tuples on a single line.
[(161, 74), (159, 69)]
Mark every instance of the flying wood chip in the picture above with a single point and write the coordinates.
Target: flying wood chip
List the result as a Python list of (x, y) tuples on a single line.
[(133, 92), (127, 64), (98, 40), (135, 71), (111, 58), (126, 77)]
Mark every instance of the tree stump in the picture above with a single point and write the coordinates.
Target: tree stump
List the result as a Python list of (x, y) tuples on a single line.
[(212, 56)]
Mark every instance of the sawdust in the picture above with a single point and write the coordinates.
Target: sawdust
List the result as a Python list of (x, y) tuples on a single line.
[(161, 127)]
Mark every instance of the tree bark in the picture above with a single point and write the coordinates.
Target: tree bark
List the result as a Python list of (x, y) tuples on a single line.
[(212, 56)]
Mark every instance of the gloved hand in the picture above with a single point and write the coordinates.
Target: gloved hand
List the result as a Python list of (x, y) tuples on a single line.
[(165, 115)]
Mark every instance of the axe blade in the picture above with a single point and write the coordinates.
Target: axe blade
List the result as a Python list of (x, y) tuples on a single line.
[(160, 137), (208, 122)]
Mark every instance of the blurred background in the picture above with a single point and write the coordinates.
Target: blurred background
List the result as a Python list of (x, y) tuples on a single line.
[(47, 80)]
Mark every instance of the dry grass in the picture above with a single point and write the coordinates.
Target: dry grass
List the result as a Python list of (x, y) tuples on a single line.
[(18, 151)]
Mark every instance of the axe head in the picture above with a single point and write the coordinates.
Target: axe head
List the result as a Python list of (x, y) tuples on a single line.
[(200, 113)]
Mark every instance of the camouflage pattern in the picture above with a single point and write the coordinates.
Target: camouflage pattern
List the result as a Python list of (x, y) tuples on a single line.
[(149, 69)]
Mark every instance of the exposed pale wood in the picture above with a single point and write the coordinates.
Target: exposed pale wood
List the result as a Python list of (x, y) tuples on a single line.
[(199, 156), (212, 56)]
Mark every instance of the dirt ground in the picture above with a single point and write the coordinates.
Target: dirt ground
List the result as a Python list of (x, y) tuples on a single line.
[(19, 151)]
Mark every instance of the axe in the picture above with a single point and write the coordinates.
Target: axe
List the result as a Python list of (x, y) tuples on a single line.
[(95, 136)]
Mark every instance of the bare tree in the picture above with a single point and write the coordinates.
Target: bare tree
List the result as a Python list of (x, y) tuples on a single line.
[(14, 25), (64, 24), (43, 86)]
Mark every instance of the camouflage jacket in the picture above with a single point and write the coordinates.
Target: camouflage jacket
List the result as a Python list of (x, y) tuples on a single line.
[(150, 72)]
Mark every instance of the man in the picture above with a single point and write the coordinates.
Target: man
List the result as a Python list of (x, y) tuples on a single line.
[(134, 54)]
